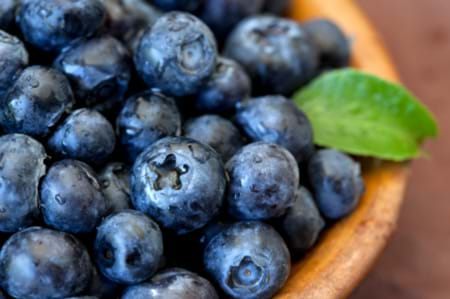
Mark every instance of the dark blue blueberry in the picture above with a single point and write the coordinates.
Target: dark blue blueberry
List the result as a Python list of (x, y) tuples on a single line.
[(21, 168), (228, 85), (13, 58), (177, 55), (302, 223), (146, 118), (184, 5), (217, 132), (7, 13), (276, 53), (337, 183), (223, 15), (101, 287), (99, 69), (179, 182), (35, 102), (115, 182), (128, 247), (71, 197), (248, 260), (277, 7), (84, 135), (264, 178), (332, 44), (52, 24), (42, 263), (277, 120), (173, 283)]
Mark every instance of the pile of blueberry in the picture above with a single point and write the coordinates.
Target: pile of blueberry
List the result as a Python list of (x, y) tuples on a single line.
[(138, 162)]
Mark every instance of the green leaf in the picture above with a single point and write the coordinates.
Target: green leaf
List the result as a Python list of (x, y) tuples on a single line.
[(362, 114)]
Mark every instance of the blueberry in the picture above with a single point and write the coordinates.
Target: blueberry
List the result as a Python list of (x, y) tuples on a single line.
[(115, 182), (228, 85), (146, 118), (276, 52), (101, 287), (21, 167), (332, 44), (71, 197), (248, 260), (42, 263), (217, 132), (277, 7), (35, 102), (99, 69), (223, 15), (276, 119), (173, 283), (7, 12), (184, 5), (177, 55), (302, 223), (128, 247), (263, 180), (179, 182), (52, 24), (13, 58), (84, 135), (337, 182)]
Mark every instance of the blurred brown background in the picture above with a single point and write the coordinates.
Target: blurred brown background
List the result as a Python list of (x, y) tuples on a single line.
[(416, 264)]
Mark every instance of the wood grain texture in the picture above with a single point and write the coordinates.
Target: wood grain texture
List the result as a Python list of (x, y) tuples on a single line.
[(347, 251)]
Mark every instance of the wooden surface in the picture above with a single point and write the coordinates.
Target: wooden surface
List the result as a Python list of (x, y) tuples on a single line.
[(347, 250), (416, 263)]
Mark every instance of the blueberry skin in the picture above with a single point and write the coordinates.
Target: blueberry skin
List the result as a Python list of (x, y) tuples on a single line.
[(302, 223), (183, 5), (217, 132), (13, 59), (277, 7), (35, 102), (179, 182), (177, 55), (84, 135), (43, 263), (173, 283), (249, 260), (115, 181), (128, 247), (277, 120), (21, 168), (337, 183), (7, 12), (228, 86), (146, 118), (277, 53), (71, 197), (52, 24), (223, 15), (99, 69), (333, 46), (264, 178)]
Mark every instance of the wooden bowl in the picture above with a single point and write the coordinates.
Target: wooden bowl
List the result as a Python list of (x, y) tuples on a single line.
[(347, 251)]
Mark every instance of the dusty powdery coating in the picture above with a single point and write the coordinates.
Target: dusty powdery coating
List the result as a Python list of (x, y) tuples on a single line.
[(276, 119), (179, 182), (41, 263), (264, 178), (85, 135), (71, 197), (146, 118), (276, 52), (115, 181), (21, 168), (52, 24), (177, 55), (35, 102), (337, 182), (173, 283), (13, 58), (248, 260), (128, 247)]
